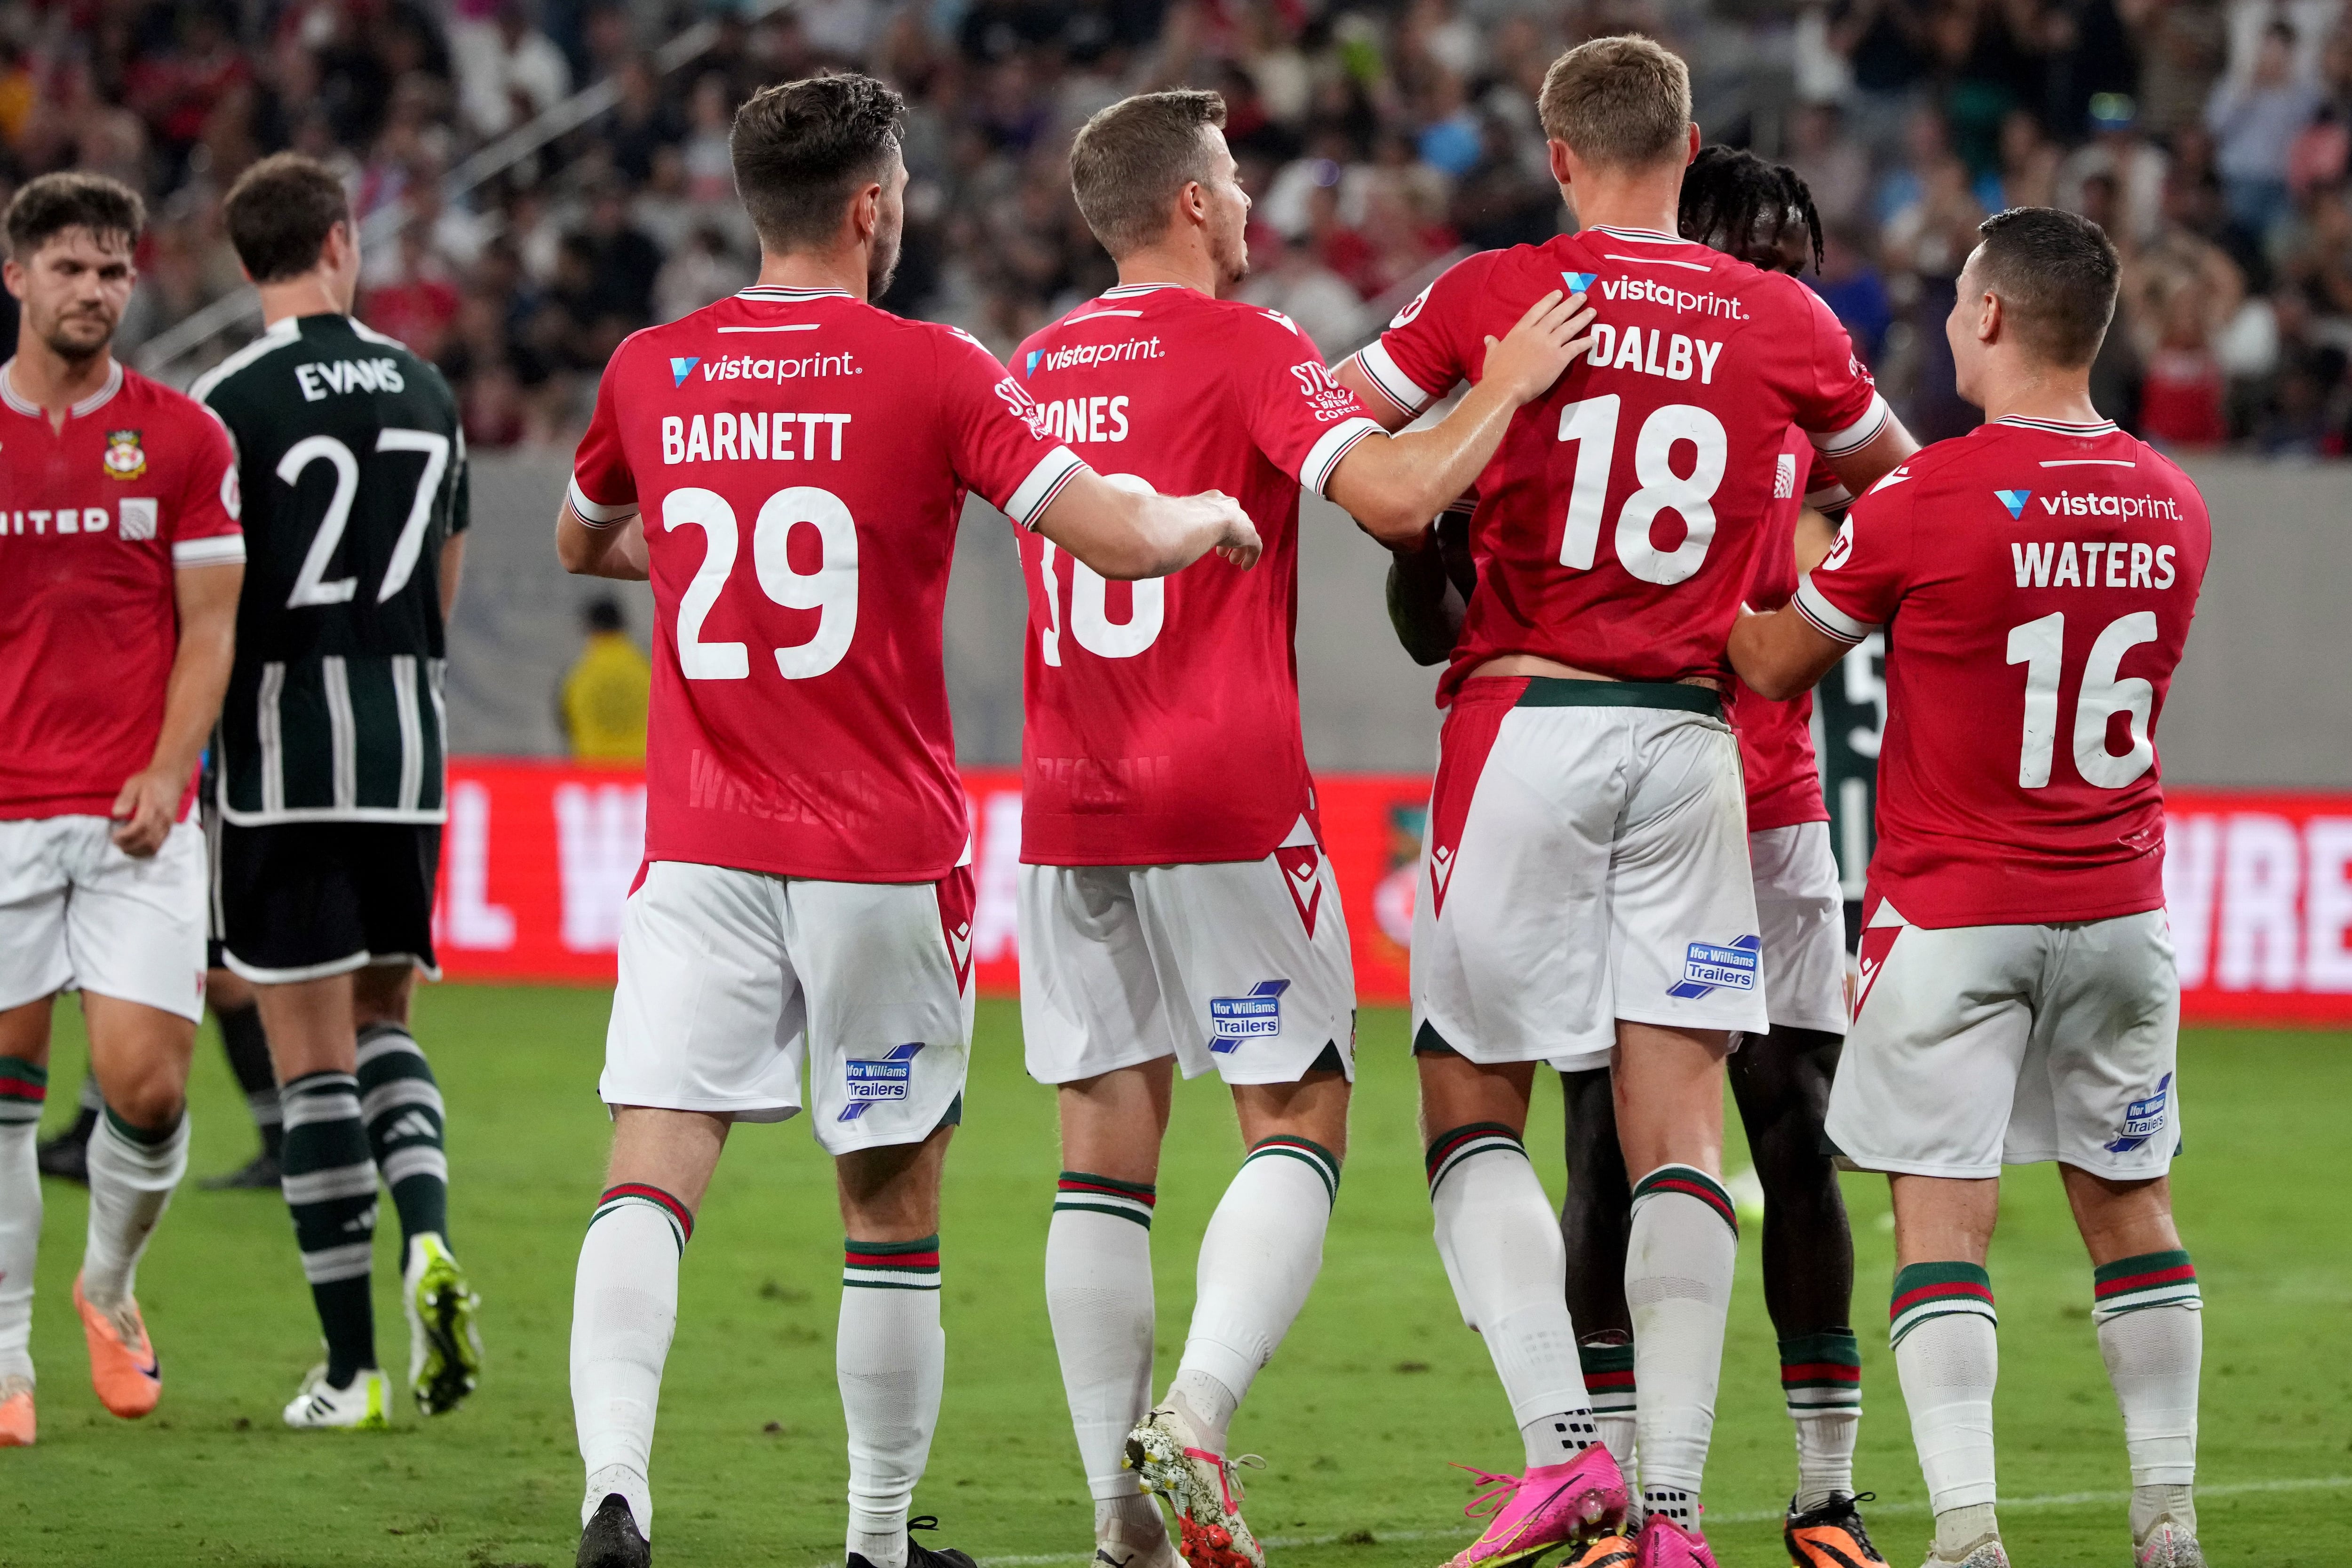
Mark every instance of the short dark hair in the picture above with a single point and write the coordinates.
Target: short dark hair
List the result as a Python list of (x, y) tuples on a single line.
[(1130, 160), (2055, 274), (47, 207), (801, 149), (279, 212), (604, 615), (1732, 199)]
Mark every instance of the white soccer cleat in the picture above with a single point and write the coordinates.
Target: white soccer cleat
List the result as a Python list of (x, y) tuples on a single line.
[(1200, 1484), (2168, 1543), (1986, 1553), (364, 1407), (445, 1343)]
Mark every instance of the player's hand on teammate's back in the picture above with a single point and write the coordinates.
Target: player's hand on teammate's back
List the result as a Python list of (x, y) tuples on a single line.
[(143, 811), (1535, 353)]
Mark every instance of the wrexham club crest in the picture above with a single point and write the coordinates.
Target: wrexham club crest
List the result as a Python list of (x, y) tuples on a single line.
[(125, 459)]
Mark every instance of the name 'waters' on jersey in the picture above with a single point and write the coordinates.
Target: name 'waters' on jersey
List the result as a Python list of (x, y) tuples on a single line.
[(801, 460), (1162, 716), (1617, 523), (2036, 581), (353, 462)]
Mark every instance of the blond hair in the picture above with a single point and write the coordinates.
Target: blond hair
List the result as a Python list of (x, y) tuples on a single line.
[(1621, 102)]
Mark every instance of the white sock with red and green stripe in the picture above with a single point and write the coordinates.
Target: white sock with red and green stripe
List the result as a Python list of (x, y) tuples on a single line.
[(1258, 1260), (1099, 1298), (1821, 1377), (890, 1358), (1500, 1242), (1942, 1323), (133, 1171), (1607, 1359), (2151, 1335), (24, 1088), (1680, 1252), (624, 1311)]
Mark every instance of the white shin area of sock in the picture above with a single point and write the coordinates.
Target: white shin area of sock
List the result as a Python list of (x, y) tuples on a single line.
[(131, 1186), (20, 1244), (1825, 1440), (1259, 1259), (2153, 1356), (1679, 1258), (1498, 1230), (1098, 1297), (624, 1311), (1949, 1366), (890, 1358)]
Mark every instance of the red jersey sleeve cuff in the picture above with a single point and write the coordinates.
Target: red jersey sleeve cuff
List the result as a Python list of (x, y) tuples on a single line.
[(1854, 436), (1381, 369), (1336, 443), (1826, 618), (1045, 481), (215, 549), (595, 514), (1829, 500)]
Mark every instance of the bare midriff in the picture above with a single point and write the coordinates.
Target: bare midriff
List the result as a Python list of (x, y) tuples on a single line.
[(1525, 664)]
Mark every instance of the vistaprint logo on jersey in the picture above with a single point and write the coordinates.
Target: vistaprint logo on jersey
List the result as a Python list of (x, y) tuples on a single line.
[(680, 369), (749, 367), (2014, 499), (1671, 298), (1076, 356), (1578, 282), (2066, 503)]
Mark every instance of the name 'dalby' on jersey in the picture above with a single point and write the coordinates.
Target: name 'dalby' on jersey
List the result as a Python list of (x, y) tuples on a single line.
[(1616, 525), (2036, 581), (799, 506), (353, 463), (1162, 716)]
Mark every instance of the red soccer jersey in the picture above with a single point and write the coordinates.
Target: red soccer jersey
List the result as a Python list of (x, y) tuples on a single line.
[(1162, 717), (1776, 739), (801, 460), (2036, 581), (1617, 524), (94, 519)]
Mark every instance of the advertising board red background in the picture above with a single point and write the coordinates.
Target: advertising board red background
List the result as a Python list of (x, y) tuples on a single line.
[(538, 858)]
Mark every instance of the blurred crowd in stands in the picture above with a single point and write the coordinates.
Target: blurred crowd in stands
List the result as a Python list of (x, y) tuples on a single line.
[(1380, 138)]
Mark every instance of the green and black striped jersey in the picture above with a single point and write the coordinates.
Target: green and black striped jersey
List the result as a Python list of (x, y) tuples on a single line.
[(1849, 716), (353, 466)]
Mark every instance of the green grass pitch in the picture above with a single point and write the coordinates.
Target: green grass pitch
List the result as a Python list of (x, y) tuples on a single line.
[(1378, 1387)]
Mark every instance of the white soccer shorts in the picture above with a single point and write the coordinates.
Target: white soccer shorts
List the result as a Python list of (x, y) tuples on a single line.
[(758, 997), (1587, 861), (1976, 1047), (1801, 917), (76, 913), (1240, 966)]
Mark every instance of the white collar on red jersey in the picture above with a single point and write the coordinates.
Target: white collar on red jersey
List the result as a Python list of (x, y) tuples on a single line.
[(2060, 427), (1638, 235), (1128, 290), (91, 404), (777, 292)]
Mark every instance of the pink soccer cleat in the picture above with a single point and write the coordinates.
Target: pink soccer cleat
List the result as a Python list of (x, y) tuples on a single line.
[(1550, 1506), (1666, 1544)]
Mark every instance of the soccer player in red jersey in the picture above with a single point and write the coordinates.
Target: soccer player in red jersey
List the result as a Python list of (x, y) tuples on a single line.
[(788, 467), (1177, 910), (2017, 998), (118, 522), (1587, 887)]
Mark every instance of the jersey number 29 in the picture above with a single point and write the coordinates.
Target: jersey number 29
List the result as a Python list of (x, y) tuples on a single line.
[(831, 590)]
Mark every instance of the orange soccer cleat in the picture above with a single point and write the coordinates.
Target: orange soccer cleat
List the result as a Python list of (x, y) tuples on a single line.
[(16, 1423), (122, 1364)]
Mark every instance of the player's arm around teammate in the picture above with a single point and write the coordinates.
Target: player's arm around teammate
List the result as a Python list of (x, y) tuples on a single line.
[(124, 557), (2033, 1018)]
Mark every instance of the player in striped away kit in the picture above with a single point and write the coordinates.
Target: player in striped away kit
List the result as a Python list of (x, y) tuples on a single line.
[(787, 467), (2018, 1003), (1177, 910), (123, 555), (332, 750)]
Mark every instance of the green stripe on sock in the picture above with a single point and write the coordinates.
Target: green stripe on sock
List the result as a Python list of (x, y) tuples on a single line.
[(1139, 1189), (1313, 1155), (1837, 1346), (141, 1136), (2146, 1263)]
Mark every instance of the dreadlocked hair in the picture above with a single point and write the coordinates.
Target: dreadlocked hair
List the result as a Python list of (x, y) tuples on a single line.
[(1735, 202)]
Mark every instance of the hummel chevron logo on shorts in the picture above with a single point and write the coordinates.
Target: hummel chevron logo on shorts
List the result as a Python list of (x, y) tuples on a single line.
[(892, 1265), (1102, 1194), (1925, 1290), (2150, 1279)]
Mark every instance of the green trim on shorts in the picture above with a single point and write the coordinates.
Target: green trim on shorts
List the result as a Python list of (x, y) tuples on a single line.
[(1559, 691)]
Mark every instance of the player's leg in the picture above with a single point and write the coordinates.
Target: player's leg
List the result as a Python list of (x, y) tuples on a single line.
[(1942, 1322), (66, 1155), (1593, 1220), (135, 929), (2111, 1020), (246, 1044), (1093, 1026), (24, 1088)]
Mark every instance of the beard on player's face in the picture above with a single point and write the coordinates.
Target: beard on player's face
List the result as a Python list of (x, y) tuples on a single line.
[(882, 262), (79, 332)]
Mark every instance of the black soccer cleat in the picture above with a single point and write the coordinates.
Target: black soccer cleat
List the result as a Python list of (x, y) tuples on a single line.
[(921, 1556), (258, 1173), (1831, 1535), (66, 1155), (610, 1539)]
